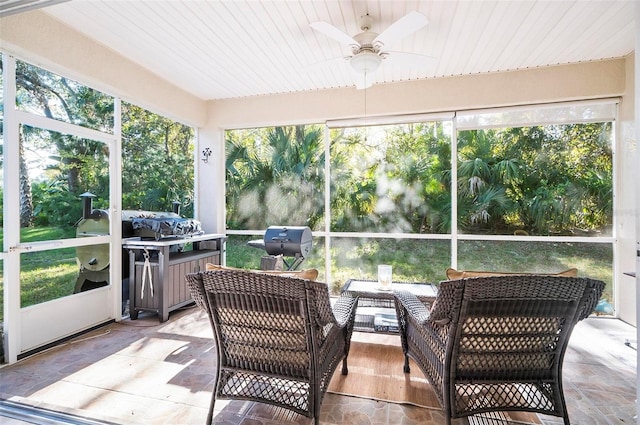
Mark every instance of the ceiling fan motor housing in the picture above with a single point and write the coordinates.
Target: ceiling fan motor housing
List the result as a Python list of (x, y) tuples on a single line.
[(365, 39)]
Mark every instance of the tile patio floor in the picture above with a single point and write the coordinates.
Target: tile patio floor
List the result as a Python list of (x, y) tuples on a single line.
[(146, 372)]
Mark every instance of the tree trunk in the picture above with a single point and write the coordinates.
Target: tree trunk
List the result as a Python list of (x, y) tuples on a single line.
[(26, 200)]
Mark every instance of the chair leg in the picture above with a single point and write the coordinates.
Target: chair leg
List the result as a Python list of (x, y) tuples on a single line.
[(210, 413), (213, 399), (565, 415), (345, 369), (407, 369), (563, 403)]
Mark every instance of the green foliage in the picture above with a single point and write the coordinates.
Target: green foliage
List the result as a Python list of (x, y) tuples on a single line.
[(74, 166), (66, 162), (418, 161), (44, 93), (157, 162), (391, 179), (56, 206), (545, 180), (275, 175)]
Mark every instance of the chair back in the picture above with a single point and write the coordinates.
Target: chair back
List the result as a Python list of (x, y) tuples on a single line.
[(515, 328), (260, 322)]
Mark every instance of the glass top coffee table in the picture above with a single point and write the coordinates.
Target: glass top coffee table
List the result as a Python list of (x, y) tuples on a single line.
[(376, 311)]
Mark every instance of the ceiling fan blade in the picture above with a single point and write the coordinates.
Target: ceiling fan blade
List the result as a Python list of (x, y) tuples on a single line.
[(333, 32), (408, 24)]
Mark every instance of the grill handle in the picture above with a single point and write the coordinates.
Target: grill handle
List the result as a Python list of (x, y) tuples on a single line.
[(280, 239)]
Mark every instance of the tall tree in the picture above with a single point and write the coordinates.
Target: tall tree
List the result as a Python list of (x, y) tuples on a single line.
[(26, 199)]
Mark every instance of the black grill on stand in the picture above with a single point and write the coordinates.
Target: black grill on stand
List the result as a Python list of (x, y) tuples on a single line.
[(294, 242)]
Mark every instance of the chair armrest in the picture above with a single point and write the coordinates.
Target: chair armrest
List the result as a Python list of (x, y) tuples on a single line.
[(414, 316), (326, 314), (344, 308), (592, 294), (412, 305), (196, 289), (334, 326)]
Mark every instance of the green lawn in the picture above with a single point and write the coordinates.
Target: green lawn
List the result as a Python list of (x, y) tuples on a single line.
[(427, 260), (44, 275)]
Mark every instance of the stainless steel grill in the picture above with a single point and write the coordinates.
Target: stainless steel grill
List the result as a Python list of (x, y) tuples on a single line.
[(294, 242)]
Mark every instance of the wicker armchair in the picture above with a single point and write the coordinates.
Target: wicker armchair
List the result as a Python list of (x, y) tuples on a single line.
[(496, 343), (278, 338)]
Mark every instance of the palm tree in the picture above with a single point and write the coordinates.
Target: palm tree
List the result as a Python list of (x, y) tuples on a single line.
[(483, 180), (275, 175), (541, 179)]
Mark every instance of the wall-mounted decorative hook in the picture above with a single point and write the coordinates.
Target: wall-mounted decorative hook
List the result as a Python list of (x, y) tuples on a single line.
[(206, 153)]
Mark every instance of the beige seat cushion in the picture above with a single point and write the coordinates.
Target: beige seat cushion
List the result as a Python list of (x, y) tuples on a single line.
[(453, 274), (309, 274)]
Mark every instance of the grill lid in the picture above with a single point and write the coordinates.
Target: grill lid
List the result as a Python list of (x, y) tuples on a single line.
[(288, 241)]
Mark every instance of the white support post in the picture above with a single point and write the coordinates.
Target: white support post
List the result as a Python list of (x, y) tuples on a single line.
[(637, 212), (11, 210), (327, 205), (454, 193), (115, 212)]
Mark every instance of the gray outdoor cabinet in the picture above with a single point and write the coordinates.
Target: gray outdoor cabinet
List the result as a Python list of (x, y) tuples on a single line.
[(157, 271)]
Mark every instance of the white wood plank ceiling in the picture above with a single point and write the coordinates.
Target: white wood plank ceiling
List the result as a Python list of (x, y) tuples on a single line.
[(226, 49)]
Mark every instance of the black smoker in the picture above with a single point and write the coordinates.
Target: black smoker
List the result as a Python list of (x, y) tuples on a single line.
[(287, 241), (94, 260)]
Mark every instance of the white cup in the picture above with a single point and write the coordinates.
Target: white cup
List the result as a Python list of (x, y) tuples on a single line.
[(384, 276)]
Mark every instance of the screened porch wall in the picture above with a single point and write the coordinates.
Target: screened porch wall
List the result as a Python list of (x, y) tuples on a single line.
[(605, 79)]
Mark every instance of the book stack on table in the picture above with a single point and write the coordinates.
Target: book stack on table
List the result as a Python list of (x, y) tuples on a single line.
[(385, 322)]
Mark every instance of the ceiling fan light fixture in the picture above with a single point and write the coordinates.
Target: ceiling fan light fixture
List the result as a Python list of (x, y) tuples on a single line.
[(366, 62)]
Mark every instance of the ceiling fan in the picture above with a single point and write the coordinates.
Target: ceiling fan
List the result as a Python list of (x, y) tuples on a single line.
[(369, 49)]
